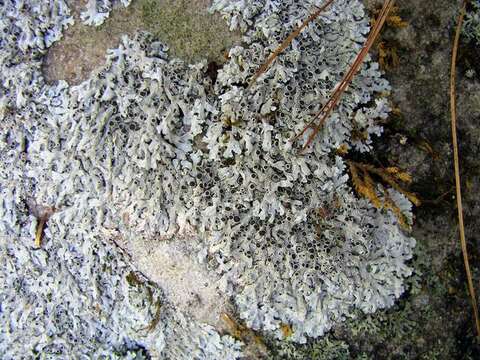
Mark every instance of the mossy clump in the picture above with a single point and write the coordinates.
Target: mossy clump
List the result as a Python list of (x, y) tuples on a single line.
[(189, 30)]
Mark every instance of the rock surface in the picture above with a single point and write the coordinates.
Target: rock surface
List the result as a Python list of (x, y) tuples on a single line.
[(433, 319)]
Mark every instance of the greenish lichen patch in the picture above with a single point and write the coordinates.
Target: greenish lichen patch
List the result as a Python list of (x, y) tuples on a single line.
[(187, 28)]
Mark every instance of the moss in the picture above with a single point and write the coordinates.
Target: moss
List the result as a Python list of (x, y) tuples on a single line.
[(142, 284), (156, 317), (323, 349), (191, 33), (188, 29), (133, 279)]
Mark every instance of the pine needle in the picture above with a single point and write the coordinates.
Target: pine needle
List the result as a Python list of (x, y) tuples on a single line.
[(453, 113), (281, 48), (339, 90)]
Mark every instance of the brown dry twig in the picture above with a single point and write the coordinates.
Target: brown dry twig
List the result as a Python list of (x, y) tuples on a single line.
[(281, 48), (339, 90), (453, 114)]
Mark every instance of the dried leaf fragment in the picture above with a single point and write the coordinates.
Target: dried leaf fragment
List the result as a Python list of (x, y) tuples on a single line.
[(39, 232), (287, 330), (243, 333)]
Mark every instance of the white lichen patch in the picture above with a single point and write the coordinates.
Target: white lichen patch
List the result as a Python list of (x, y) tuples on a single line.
[(205, 176), (96, 11)]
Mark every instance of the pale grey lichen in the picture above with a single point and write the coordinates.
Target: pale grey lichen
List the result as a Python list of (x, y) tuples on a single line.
[(287, 265), (72, 297), (96, 11), (148, 148)]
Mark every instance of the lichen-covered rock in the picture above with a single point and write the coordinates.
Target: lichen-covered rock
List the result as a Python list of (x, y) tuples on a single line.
[(288, 264), (148, 148), (75, 295)]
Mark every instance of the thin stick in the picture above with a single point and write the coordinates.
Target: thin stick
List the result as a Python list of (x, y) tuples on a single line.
[(453, 113), (285, 43), (339, 90)]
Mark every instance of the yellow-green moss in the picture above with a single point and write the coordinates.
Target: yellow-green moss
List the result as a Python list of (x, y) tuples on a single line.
[(187, 28)]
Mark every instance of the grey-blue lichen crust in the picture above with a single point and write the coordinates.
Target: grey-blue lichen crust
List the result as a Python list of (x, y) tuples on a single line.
[(96, 11), (471, 26), (149, 148)]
